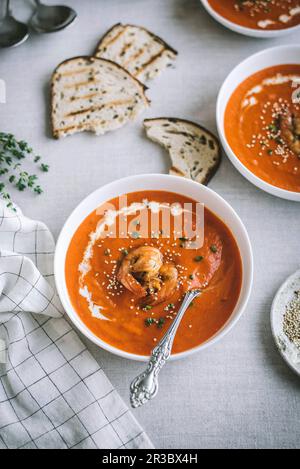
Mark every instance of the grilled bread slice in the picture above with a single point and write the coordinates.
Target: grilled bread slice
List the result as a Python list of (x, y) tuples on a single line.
[(92, 94), (195, 152), (137, 50)]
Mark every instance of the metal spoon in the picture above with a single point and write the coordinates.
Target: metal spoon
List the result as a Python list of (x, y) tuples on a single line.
[(48, 19), (145, 386), (12, 32)]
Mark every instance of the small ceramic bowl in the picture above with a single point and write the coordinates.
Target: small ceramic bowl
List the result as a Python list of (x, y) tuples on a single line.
[(259, 33), (175, 184), (264, 59), (284, 296)]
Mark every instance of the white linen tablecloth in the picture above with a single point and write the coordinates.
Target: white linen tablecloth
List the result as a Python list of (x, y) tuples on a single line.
[(53, 393)]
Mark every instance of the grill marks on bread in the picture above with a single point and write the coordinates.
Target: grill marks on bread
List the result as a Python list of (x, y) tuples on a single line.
[(93, 94), (139, 51)]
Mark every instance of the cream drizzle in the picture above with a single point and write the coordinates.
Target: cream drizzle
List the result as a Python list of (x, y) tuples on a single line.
[(278, 79), (263, 24), (284, 18)]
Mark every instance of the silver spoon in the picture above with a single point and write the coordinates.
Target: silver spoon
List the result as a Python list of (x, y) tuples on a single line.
[(145, 386), (12, 32), (48, 19)]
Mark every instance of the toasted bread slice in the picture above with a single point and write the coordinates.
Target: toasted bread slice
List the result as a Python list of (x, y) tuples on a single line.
[(195, 152), (137, 50), (96, 95)]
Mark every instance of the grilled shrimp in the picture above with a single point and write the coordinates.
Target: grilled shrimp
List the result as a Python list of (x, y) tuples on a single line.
[(138, 268), (166, 283), (290, 131), (143, 273)]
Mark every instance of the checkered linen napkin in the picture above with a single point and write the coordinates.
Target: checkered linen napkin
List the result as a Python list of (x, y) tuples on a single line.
[(53, 394)]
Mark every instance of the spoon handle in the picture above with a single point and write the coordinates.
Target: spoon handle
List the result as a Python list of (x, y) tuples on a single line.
[(145, 386), (6, 9)]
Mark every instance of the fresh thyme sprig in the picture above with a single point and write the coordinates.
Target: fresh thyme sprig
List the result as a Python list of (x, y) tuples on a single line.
[(12, 152)]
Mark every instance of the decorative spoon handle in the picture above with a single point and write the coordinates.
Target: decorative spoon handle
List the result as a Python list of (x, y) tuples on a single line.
[(145, 386)]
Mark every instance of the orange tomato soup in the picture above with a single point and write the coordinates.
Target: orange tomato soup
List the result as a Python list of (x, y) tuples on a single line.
[(262, 125), (259, 14), (116, 315)]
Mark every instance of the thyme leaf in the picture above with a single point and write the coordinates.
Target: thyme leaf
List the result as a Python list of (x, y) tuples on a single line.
[(12, 154)]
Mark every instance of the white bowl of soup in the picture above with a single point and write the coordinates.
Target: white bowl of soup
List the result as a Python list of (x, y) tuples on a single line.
[(123, 300), (258, 119), (259, 18)]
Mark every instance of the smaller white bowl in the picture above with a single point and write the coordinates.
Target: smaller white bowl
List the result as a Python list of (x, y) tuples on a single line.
[(161, 182), (283, 297), (260, 33), (267, 58)]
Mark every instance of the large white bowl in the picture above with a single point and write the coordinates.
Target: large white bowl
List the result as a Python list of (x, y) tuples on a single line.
[(164, 183), (264, 59), (261, 33)]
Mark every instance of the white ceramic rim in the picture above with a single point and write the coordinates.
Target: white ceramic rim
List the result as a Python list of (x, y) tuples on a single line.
[(283, 286), (237, 28), (170, 184), (237, 76)]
